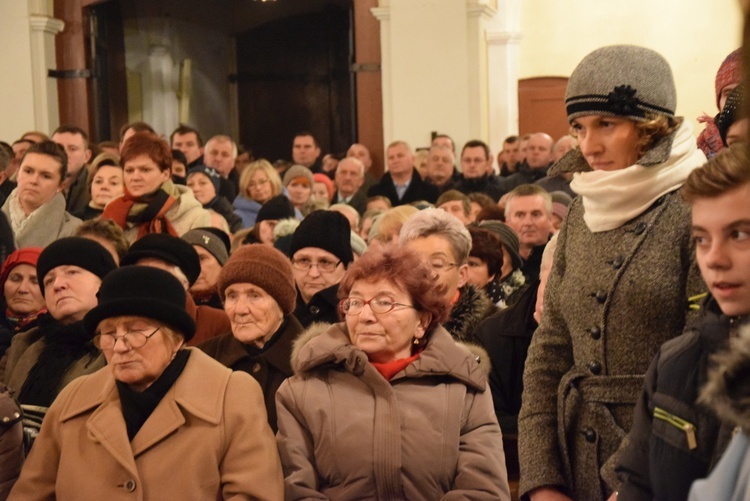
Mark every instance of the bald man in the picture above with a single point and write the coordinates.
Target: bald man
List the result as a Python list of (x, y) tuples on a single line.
[(539, 158)]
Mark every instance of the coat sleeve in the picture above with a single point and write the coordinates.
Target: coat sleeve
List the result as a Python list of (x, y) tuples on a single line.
[(480, 472), (633, 460), (250, 467), (295, 447), (550, 356), (11, 441), (39, 474)]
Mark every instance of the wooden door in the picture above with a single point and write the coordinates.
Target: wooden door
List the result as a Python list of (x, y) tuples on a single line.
[(293, 75), (541, 106)]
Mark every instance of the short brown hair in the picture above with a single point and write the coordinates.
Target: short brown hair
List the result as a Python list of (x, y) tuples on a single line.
[(108, 230), (654, 129), (407, 270), (727, 170), (51, 149), (529, 190), (486, 246), (151, 145), (455, 196)]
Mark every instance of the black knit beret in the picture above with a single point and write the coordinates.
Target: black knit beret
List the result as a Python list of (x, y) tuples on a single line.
[(168, 248), (279, 207), (142, 291), (623, 81), (75, 251), (327, 230)]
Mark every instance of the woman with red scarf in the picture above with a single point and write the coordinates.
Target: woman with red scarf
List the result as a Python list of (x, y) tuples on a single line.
[(151, 202)]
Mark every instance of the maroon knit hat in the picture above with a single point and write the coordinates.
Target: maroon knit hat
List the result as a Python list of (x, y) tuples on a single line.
[(730, 72), (262, 266)]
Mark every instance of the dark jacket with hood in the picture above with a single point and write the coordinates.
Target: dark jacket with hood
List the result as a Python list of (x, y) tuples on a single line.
[(674, 439), (322, 307)]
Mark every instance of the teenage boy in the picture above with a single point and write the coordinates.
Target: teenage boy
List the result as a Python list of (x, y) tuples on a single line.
[(675, 440)]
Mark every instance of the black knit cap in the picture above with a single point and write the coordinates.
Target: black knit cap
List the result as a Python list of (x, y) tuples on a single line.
[(168, 248), (142, 291), (279, 207), (327, 230), (732, 112), (75, 251)]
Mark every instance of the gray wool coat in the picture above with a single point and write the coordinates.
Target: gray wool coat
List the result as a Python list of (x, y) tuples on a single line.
[(612, 299)]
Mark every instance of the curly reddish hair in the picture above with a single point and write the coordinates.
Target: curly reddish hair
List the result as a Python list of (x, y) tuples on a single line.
[(404, 268), (151, 145)]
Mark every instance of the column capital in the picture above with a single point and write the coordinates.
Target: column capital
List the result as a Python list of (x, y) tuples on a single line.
[(503, 37), (476, 9), (381, 13), (46, 24)]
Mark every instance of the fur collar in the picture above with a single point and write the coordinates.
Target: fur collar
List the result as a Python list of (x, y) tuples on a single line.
[(470, 363), (728, 388), (472, 307)]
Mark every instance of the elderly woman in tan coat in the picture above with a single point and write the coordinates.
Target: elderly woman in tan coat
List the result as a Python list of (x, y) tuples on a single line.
[(386, 405), (160, 421), (621, 276)]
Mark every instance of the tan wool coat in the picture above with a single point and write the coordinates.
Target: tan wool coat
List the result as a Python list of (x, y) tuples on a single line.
[(207, 439)]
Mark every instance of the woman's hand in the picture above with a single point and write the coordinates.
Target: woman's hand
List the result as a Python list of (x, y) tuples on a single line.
[(547, 494)]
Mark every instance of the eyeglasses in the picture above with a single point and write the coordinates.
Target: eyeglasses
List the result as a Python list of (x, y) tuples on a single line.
[(132, 339), (441, 264), (258, 183), (323, 265), (378, 304)]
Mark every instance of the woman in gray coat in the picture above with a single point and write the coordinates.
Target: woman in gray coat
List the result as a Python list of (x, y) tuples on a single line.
[(622, 273)]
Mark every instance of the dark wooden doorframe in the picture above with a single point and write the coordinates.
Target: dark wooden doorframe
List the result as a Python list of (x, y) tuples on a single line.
[(75, 105)]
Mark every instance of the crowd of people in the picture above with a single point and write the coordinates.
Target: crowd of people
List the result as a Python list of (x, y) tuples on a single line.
[(547, 323)]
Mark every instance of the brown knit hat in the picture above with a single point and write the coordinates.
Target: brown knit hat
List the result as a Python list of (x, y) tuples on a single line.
[(265, 267)]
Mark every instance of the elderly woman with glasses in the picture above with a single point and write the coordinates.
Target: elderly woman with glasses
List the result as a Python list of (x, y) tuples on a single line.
[(160, 421), (385, 405)]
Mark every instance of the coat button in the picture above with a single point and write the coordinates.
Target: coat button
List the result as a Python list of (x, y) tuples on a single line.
[(129, 485), (589, 435), (618, 262), (314, 310), (256, 367), (595, 367), (601, 296), (595, 332), (640, 228)]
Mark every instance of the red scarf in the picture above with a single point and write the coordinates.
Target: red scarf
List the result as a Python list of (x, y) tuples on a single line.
[(390, 369), (119, 211)]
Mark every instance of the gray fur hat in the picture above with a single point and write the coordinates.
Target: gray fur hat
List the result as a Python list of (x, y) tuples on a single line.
[(622, 81)]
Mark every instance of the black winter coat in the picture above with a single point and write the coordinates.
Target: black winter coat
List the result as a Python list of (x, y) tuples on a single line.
[(674, 440)]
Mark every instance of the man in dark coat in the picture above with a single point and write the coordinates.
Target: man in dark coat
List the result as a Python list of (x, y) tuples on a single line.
[(402, 183), (539, 157), (477, 176)]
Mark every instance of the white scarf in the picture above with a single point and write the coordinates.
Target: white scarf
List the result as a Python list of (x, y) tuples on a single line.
[(18, 218), (612, 198)]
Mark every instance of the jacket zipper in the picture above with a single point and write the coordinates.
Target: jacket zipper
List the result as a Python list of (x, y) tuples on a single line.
[(680, 423)]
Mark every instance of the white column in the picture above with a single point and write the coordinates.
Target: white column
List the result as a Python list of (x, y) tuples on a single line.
[(438, 70), (43, 31)]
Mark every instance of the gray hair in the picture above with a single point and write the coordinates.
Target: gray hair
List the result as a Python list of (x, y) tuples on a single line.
[(438, 222), (528, 190)]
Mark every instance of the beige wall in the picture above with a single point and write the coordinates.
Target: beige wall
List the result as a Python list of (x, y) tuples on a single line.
[(16, 89), (694, 35)]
